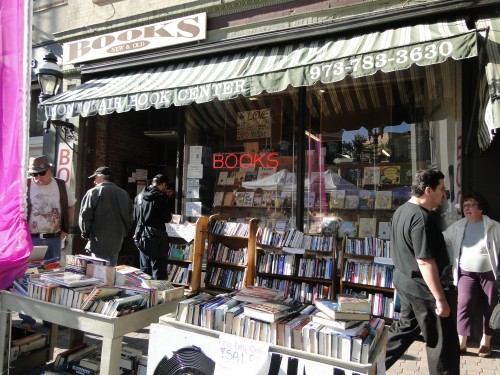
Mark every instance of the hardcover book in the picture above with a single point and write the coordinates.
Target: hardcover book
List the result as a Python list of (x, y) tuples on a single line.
[(351, 201), (348, 228), (338, 325), (389, 174), (239, 198), (406, 176), (337, 199), (371, 175), (218, 198), (353, 303), (268, 311), (384, 230), (248, 199), (383, 200), (367, 227), (222, 178), (366, 199), (331, 309)]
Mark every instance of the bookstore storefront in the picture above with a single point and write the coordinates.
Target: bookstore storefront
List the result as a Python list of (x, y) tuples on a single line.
[(303, 134)]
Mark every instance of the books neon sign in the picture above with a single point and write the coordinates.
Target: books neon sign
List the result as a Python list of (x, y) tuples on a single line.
[(246, 160)]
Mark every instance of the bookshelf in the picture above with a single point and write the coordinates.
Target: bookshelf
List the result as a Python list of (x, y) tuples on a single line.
[(230, 263), (366, 268), (185, 257), (303, 272)]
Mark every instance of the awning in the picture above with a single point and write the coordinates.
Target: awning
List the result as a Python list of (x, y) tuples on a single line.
[(269, 69), (489, 111)]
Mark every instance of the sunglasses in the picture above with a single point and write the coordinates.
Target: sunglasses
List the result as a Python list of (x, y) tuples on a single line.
[(43, 173)]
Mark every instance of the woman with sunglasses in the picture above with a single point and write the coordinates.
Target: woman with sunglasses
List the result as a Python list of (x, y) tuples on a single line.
[(474, 245)]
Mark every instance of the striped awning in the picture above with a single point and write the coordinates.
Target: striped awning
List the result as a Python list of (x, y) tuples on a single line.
[(269, 69), (489, 112)]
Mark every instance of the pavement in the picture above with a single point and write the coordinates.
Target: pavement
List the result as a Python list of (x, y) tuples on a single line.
[(413, 362)]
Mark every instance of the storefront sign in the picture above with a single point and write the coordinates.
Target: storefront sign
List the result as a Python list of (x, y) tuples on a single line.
[(167, 33), (64, 162), (263, 160), (254, 124)]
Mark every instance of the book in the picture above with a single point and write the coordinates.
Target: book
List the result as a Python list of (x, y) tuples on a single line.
[(406, 175), (389, 174), (231, 175), (239, 177), (267, 199), (250, 175), (218, 198), (229, 198), (222, 178), (128, 275), (331, 308), (337, 198), (257, 199), (315, 224), (70, 279), (248, 199), (400, 196), (383, 200), (353, 175), (371, 175), (367, 227), (330, 226), (338, 325), (268, 311), (366, 199), (96, 294), (254, 293), (351, 201), (348, 228), (297, 338), (105, 273), (239, 198), (353, 303), (384, 230)]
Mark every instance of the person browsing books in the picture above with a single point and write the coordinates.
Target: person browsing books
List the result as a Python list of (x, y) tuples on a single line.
[(105, 216), (420, 259), (151, 213), (474, 243)]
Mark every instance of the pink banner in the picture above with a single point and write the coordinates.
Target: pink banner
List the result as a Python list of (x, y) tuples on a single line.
[(15, 242)]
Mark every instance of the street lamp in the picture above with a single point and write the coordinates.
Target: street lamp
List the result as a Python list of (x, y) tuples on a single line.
[(49, 76)]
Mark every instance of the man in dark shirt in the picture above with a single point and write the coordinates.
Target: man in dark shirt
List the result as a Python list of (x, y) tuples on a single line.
[(420, 258), (152, 209)]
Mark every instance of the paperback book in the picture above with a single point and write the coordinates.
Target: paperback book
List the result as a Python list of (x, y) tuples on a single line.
[(367, 227), (383, 200), (351, 201), (269, 311), (366, 199), (331, 309), (389, 174), (353, 303), (337, 198), (371, 176)]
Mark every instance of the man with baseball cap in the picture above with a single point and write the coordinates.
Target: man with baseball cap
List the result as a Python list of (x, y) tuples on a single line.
[(105, 216)]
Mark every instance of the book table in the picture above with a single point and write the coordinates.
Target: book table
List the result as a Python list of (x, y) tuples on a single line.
[(111, 329), (232, 354)]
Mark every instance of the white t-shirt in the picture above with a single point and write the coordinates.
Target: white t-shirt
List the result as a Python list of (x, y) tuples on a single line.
[(46, 208)]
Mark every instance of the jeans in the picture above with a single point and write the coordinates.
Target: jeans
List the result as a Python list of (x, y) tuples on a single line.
[(156, 267), (54, 246), (113, 259)]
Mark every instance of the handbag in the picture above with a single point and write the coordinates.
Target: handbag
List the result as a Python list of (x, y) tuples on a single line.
[(495, 317)]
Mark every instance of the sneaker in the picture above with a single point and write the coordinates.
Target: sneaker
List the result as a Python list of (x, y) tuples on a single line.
[(484, 351)]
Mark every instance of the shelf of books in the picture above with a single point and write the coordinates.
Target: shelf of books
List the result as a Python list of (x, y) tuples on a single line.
[(299, 265), (367, 269), (185, 255), (230, 254), (315, 338)]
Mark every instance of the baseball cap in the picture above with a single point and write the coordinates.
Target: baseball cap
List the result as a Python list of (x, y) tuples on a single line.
[(106, 171)]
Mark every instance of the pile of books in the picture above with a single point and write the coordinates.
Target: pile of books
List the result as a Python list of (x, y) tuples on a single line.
[(342, 329)]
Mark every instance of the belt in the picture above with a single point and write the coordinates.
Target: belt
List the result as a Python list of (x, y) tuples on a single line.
[(44, 236)]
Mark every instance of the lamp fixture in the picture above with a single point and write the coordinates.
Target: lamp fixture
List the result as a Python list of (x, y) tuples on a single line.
[(49, 76)]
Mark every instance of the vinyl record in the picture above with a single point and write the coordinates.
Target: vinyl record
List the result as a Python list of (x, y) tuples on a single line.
[(189, 360)]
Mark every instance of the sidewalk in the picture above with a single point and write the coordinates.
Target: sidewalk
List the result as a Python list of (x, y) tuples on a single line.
[(413, 362)]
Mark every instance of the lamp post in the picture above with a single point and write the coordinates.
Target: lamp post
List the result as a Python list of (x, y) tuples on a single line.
[(49, 76)]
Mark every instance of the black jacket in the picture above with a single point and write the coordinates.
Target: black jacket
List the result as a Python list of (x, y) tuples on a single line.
[(155, 207)]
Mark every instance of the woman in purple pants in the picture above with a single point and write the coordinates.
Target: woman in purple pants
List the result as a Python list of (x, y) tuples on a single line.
[(473, 245)]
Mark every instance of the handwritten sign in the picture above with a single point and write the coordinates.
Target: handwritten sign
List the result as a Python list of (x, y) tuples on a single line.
[(185, 231), (254, 124), (240, 353)]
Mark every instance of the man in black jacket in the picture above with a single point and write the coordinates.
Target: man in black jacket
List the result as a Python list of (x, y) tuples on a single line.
[(151, 212)]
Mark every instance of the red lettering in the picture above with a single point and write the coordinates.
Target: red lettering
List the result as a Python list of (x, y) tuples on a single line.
[(246, 163), (218, 161), (63, 174), (64, 157), (235, 162), (257, 159), (271, 161)]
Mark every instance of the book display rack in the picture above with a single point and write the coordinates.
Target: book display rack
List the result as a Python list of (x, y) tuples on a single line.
[(300, 266), (230, 254), (366, 268), (185, 255)]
